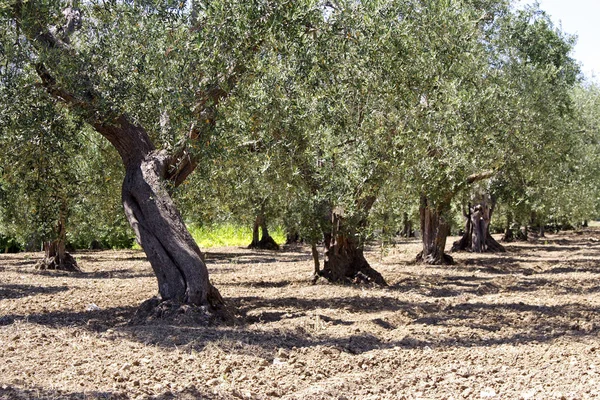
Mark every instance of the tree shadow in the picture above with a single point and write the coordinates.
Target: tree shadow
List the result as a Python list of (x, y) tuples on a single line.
[(260, 284), (261, 331), (123, 273), (484, 325), (94, 320), (14, 291), (256, 257), (109, 255), (13, 392)]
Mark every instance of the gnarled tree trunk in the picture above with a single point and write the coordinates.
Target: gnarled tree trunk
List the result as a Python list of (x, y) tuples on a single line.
[(434, 231), (509, 235), (345, 261), (172, 252), (56, 256), (266, 242), (407, 227), (477, 236)]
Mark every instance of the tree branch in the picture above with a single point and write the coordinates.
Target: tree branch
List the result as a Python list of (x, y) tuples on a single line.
[(481, 176)]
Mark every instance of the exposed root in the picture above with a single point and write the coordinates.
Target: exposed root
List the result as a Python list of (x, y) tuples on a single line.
[(67, 263), (493, 246), (366, 275), (266, 243), (155, 310), (431, 259)]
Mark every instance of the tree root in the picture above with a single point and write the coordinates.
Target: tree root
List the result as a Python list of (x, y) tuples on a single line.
[(266, 243), (492, 245), (445, 259), (156, 310), (365, 275), (68, 264)]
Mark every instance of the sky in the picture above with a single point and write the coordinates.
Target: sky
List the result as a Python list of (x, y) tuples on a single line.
[(580, 17)]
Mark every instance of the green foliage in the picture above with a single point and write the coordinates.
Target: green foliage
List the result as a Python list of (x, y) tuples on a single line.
[(320, 106), (228, 234)]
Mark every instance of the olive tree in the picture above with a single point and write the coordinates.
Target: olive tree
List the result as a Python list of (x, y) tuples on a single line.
[(143, 74)]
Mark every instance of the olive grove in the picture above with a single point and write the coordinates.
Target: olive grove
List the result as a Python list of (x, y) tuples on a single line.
[(323, 116)]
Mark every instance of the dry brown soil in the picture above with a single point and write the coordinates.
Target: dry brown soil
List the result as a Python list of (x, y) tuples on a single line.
[(524, 324)]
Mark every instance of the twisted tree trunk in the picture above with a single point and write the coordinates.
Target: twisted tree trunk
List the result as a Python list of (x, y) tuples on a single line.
[(56, 256), (345, 261), (174, 256), (172, 252), (266, 242), (509, 235), (434, 231), (477, 236)]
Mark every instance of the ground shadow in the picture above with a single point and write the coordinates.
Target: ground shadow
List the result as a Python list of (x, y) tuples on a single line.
[(123, 273), (93, 320), (14, 291), (507, 323), (14, 392)]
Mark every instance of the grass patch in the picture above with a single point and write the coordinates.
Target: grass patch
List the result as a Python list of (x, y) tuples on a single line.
[(226, 235)]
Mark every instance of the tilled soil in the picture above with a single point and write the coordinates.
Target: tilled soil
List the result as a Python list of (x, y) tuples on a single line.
[(523, 324)]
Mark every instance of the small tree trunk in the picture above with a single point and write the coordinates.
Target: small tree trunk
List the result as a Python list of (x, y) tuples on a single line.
[(491, 244), (523, 234), (56, 256), (407, 227), (317, 265), (345, 261), (255, 233), (466, 240), (292, 236), (434, 231), (266, 242), (480, 219), (508, 232), (477, 237)]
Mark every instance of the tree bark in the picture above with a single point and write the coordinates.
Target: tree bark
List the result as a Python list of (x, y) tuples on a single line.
[(523, 234), (407, 227), (173, 254), (434, 231), (345, 261), (255, 233), (266, 242), (509, 235), (292, 237), (317, 265), (465, 242), (477, 236), (56, 256)]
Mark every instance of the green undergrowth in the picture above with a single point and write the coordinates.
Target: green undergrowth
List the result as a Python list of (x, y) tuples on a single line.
[(227, 235)]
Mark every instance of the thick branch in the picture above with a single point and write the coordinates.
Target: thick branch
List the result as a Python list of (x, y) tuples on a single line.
[(183, 162), (481, 176)]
